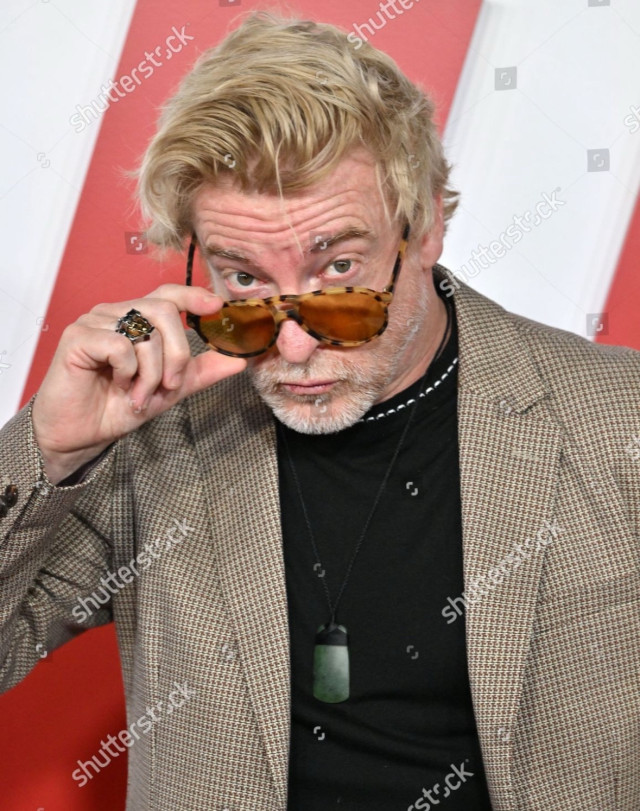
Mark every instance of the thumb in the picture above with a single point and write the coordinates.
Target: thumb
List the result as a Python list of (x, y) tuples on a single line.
[(208, 368)]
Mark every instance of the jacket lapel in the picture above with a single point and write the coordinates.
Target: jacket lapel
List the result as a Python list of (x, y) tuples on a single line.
[(509, 457), (234, 436)]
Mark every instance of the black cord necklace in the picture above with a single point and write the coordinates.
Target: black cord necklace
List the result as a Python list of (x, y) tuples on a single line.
[(331, 652)]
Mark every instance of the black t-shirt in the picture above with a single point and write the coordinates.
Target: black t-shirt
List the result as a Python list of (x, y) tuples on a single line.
[(407, 734)]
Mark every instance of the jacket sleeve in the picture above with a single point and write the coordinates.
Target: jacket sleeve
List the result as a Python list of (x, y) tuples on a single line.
[(55, 547)]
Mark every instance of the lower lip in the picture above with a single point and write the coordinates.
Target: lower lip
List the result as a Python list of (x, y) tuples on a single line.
[(323, 388)]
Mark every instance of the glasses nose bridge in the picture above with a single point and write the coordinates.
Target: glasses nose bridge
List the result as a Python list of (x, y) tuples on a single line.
[(285, 308)]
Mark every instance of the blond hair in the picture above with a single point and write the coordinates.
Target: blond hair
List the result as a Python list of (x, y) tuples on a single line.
[(279, 103)]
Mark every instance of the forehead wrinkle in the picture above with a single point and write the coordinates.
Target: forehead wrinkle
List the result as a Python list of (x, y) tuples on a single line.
[(271, 214), (252, 223), (248, 243), (269, 223), (327, 241)]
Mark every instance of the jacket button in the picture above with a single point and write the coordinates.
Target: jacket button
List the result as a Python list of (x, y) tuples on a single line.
[(8, 499)]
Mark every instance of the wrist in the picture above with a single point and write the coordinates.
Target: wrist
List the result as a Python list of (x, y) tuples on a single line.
[(73, 465)]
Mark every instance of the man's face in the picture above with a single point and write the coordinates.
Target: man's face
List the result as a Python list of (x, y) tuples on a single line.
[(259, 245)]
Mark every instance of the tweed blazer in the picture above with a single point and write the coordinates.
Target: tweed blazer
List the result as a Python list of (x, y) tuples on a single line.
[(549, 438)]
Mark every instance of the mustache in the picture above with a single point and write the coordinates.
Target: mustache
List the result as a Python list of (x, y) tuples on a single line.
[(277, 370)]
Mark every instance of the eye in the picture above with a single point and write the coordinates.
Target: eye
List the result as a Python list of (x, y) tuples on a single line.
[(341, 265), (243, 279), (242, 284)]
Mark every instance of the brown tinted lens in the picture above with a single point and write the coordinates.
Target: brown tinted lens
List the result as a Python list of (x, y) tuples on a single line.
[(239, 328), (343, 316)]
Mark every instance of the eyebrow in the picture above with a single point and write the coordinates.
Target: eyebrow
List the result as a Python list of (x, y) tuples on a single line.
[(322, 242), (225, 253)]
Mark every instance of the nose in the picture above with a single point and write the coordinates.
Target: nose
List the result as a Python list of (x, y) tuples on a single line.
[(294, 344)]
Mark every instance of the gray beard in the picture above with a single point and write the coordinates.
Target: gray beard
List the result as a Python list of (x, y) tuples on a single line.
[(322, 414)]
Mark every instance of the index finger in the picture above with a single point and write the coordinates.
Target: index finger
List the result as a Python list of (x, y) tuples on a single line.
[(163, 307), (188, 298)]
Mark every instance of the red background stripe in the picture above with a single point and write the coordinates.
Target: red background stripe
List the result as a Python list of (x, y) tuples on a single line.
[(624, 295)]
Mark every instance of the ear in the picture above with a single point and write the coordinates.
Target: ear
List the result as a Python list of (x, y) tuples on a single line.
[(430, 247)]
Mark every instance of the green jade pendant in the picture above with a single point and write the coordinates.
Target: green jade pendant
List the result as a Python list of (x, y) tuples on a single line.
[(331, 664)]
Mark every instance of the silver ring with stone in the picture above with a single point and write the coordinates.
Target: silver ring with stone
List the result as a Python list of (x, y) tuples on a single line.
[(135, 326)]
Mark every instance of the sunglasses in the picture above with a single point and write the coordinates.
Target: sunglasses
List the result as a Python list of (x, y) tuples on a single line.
[(339, 316)]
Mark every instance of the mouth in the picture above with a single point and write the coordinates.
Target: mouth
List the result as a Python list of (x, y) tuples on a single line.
[(314, 387)]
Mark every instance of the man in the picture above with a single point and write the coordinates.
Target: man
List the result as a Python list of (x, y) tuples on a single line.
[(390, 564)]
